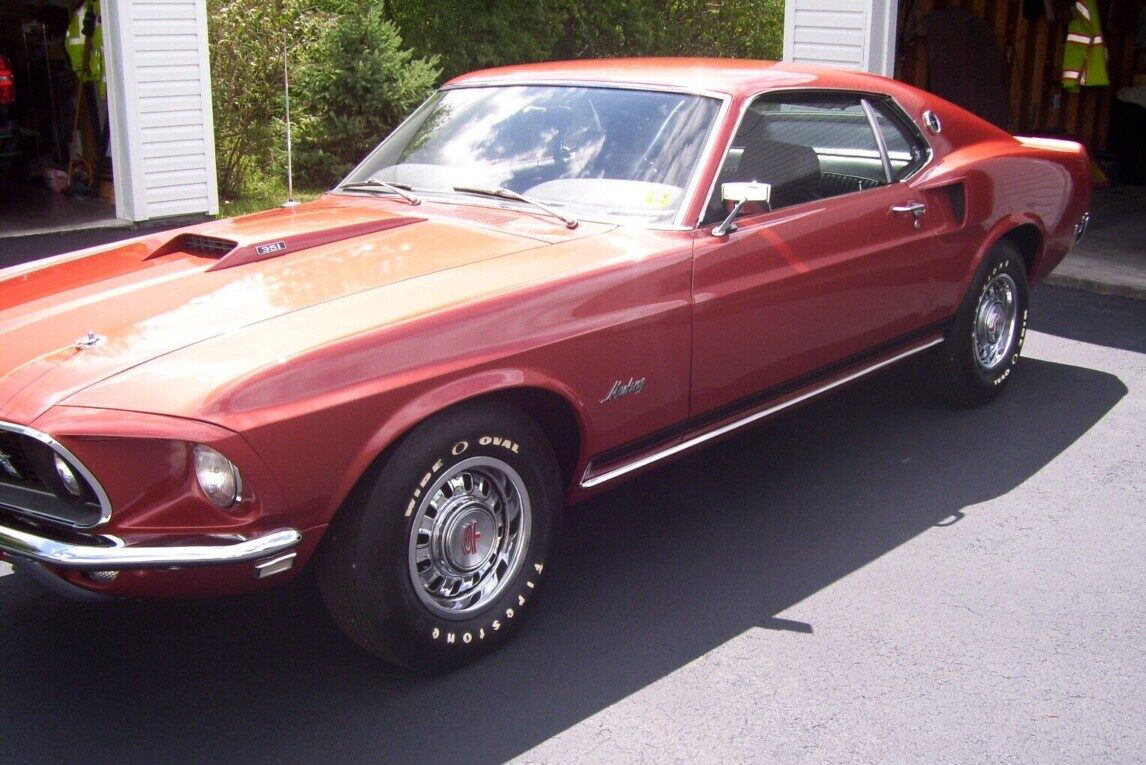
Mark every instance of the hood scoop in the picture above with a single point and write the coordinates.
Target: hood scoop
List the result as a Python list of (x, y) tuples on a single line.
[(196, 244), (230, 253), (207, 246)]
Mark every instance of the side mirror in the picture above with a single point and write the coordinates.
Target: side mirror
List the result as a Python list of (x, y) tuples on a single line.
[(742, 193)]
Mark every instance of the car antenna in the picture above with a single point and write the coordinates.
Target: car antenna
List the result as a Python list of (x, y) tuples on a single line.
[(290, 201)]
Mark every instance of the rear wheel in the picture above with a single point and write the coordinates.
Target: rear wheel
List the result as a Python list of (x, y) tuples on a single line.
[(437, 556), (985, 340)]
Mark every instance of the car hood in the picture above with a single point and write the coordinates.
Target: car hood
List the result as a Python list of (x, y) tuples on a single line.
[(72, 321)]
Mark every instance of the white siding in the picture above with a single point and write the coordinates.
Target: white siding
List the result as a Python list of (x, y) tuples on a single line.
[(847, 34), (160, 92)]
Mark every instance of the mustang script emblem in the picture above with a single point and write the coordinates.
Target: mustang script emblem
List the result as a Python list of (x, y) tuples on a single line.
[(623, 389), (9, 468)]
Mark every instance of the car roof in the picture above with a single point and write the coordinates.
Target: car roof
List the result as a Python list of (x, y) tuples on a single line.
[(734, 77)]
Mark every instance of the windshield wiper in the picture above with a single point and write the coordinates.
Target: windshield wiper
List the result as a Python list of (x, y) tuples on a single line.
[(504, 193), (401, 189)]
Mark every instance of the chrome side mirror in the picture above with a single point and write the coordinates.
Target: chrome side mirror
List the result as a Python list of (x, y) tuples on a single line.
[(742, 193)]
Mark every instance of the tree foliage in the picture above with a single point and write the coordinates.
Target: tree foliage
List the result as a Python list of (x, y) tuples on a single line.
[(364, 83), (247, 39), (353, 76), (471, 35)]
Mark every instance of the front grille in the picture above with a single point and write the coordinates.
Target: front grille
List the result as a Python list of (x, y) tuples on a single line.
[(29, 484), (14, 459)]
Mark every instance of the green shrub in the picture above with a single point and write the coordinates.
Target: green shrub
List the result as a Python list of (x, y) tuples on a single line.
[(352, 80), (470, 35), (247, 39), (262, 191), (709, 28), (355, 93)]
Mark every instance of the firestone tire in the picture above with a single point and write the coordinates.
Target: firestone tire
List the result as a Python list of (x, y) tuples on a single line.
[(437, 557), (984, 342)]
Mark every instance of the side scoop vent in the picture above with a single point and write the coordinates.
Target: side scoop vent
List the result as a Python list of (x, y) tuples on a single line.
[(958, 198)]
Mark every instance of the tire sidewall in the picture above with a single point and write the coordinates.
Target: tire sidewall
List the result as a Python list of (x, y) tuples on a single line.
[(414, 634), (1003, 258)]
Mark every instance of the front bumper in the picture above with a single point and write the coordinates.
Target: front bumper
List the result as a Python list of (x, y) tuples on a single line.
[(116, 556)]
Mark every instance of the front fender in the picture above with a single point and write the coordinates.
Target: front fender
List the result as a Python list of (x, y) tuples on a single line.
[(441, 398)]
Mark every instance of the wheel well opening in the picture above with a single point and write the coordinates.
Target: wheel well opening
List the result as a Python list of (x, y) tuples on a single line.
[(556, 418), (1027, 238), (552, 413)]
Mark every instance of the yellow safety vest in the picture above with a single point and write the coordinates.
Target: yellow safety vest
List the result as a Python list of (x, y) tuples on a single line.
[(75, 45), (1084, 57)]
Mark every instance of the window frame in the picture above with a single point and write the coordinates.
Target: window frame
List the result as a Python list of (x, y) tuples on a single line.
[(680, 221), (892, 109), (897, 115)]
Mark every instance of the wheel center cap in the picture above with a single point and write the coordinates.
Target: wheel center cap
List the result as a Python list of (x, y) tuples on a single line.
[(471, 536), (994, 323)]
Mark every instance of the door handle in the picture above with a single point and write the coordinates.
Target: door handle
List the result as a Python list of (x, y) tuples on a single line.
[(915, 208)]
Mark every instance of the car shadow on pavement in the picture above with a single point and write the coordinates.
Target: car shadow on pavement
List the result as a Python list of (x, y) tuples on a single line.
[(1109, 320), (647, 578)]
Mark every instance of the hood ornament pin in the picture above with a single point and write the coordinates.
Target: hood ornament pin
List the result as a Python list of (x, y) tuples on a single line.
[(90, 340)]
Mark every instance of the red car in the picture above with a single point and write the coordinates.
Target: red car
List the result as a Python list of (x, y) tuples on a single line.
[(548, 278)]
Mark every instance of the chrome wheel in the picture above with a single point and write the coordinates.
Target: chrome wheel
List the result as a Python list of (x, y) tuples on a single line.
[(469, 536), (993, 331)]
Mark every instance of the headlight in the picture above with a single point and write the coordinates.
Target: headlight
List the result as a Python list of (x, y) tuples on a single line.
[(218, 477), (68, 476), (55, 472)]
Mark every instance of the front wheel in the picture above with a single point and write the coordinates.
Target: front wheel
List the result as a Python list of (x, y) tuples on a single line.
[(985, 340), (438, 555)]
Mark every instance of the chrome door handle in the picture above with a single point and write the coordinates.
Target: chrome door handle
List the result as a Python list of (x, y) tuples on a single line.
[(915, 208)]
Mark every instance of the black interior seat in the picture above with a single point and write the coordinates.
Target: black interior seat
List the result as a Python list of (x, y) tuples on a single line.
[(834, 184), (792, 170)]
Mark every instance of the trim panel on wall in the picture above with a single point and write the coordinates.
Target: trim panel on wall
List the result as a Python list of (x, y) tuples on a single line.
[(159, 93), (848, 34)]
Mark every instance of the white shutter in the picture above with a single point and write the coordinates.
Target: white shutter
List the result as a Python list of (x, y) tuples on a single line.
[(159, 92), (847, 34)]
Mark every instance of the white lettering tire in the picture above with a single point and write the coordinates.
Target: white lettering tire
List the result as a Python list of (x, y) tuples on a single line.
[(985, 340), (439, 553)]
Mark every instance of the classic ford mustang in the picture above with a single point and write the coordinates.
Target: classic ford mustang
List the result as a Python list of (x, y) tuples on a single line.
[(549, 277)]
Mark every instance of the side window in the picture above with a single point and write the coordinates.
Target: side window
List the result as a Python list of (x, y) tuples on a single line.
[(806, 146), (905, 146)]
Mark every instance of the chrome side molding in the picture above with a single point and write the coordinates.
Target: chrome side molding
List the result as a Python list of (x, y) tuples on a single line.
[(588, 481)]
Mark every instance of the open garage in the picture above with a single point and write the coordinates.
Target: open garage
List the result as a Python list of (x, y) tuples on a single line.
[(105, 114)]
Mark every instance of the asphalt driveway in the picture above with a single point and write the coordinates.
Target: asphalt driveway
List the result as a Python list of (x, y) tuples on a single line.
[(19, 249), (871, 577)]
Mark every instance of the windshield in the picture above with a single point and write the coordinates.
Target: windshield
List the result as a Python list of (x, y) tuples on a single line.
[(598, 152)]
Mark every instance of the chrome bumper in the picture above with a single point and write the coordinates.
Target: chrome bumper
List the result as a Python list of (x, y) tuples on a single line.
[(22, 544)]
